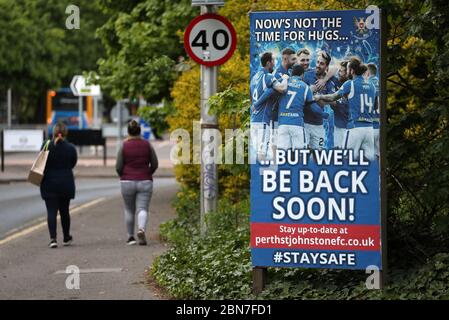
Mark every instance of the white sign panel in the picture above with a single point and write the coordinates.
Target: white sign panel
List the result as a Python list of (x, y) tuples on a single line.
[(79, 87), (23, 140), (207, 2)]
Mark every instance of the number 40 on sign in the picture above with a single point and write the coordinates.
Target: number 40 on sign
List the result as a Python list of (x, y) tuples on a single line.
[(210, 39)]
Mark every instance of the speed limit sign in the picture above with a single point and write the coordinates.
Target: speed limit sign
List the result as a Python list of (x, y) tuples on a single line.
[(210, 39)]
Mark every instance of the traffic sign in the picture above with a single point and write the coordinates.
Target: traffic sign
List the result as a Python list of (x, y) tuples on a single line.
[(124, 113), (210, 39), (79, 87)]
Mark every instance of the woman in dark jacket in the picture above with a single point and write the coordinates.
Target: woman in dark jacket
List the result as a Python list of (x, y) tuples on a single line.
[(58, 184), (136, 163)]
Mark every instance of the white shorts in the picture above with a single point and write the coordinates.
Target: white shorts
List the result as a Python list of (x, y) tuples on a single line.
[(376, 142), (314, 136), (339, 137), (273, 135), (291, 137), (360, 138), (259, 137)]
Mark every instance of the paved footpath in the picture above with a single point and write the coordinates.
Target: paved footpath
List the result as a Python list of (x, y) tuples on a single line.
[(17, 165), (108, 268)]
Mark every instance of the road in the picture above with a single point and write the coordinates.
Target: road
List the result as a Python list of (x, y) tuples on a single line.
[(108, 268), (22, 206)]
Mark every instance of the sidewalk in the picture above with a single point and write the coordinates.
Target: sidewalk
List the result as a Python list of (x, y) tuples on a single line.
[(89, 165), (108, 268), (84, 169)]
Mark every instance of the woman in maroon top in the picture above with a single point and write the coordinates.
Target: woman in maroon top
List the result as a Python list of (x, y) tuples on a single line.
[(136, 163)]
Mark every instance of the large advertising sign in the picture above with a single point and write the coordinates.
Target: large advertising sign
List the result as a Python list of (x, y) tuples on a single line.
[(314, 150)]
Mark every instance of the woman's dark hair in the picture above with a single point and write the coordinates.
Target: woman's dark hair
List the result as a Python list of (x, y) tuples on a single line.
[(357, 65), (133, 128), (59, 132)]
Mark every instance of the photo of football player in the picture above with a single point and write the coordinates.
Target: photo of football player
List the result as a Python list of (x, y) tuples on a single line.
[(371, 75), (304, 59), (313, 120), (261, 114), (288, 60), (291, 133), (341, 110), (361, 95)]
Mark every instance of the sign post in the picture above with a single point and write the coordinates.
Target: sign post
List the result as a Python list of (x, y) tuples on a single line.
[(318, 197), (9, 103), (81, 89), (2, 151), (96, 121), (119, 123), (210, 40), (119, 113), (80, 112)]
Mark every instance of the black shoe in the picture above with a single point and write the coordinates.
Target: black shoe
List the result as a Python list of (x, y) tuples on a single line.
[(53, 244), (67, 241), (141, 237), (131, 241)]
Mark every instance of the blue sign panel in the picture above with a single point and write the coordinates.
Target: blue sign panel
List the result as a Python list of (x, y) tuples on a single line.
[(314, 148)]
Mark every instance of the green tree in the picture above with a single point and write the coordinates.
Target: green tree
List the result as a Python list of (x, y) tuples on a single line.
[(38, 52), (155, 116), (142, 46), (418, 136)]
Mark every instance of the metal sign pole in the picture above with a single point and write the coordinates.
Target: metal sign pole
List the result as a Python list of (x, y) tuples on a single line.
[(9, 103), (80, 112), (2, 151), (209, 177), (119, 123), (95, 120)]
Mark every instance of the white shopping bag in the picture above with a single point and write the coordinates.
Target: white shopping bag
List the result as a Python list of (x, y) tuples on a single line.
[(36, 173)]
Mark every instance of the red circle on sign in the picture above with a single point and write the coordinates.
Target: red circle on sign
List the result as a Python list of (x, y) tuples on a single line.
[(193, 23)]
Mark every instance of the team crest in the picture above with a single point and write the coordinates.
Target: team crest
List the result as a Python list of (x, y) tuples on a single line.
[(361, 26)]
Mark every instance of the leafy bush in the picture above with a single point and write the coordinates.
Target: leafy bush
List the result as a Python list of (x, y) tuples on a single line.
[(156, 116), (181, 229), (426, 282), (216, 266)]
